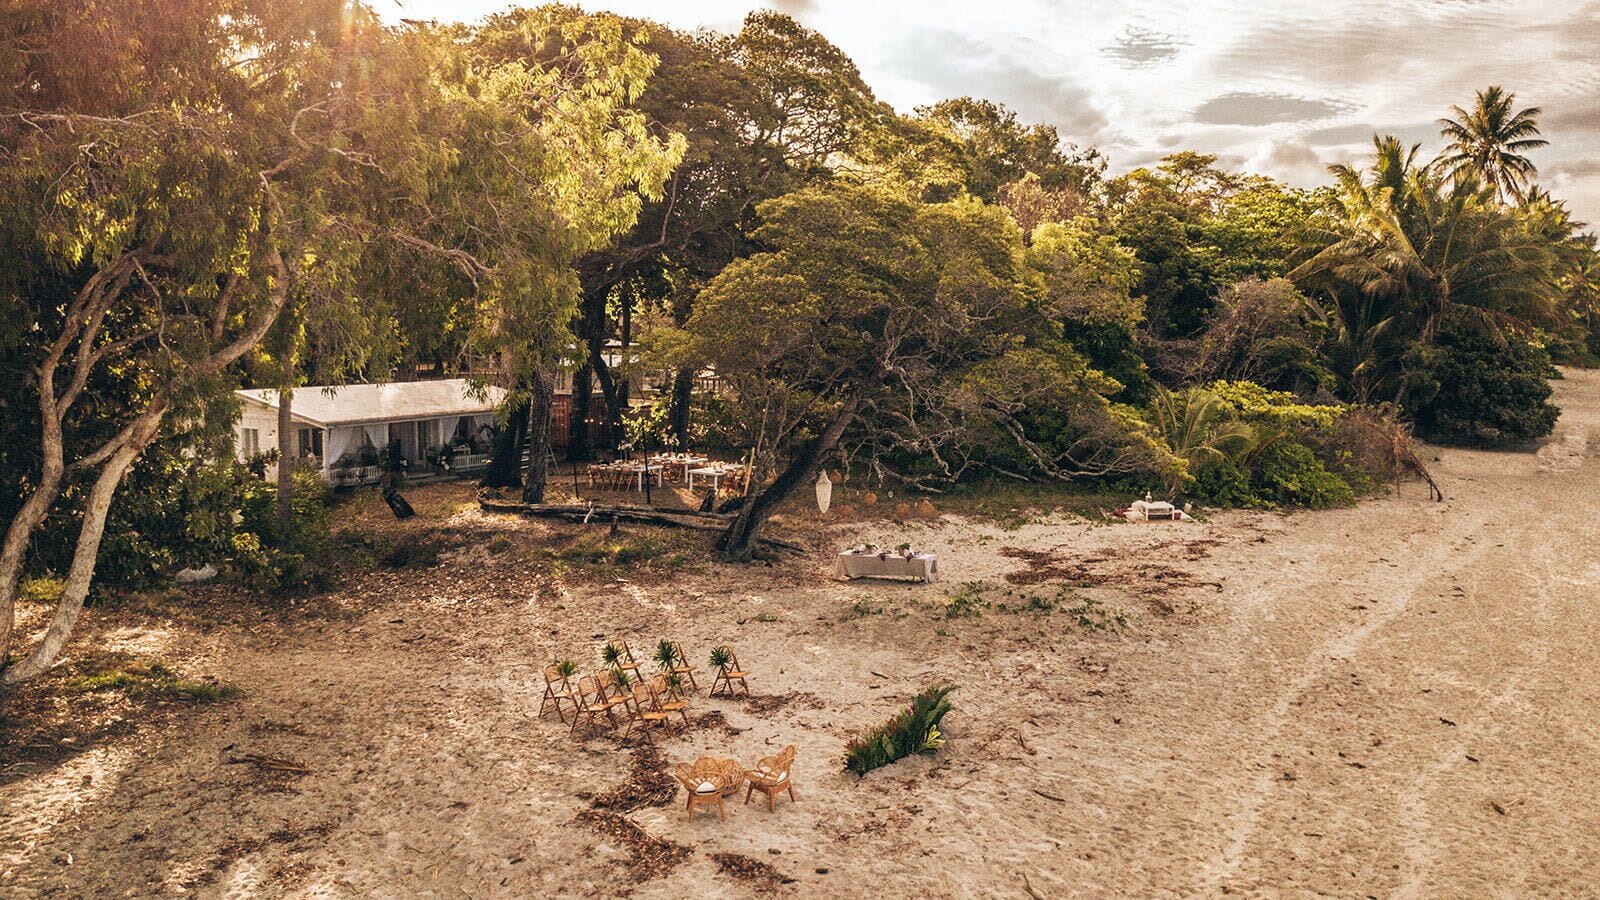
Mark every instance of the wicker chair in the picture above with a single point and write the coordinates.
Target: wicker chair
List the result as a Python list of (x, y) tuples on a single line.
[(771, 777), (703, 787)]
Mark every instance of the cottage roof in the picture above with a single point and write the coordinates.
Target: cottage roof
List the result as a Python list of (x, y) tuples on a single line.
[(396, 401)]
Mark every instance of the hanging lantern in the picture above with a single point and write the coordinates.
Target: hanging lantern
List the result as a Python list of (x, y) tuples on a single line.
[(824, 491)]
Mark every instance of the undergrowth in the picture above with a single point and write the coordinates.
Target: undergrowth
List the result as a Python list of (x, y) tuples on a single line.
[(972, 598), (145, 679)]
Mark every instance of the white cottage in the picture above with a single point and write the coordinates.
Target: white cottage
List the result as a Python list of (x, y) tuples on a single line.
[(434, 425)]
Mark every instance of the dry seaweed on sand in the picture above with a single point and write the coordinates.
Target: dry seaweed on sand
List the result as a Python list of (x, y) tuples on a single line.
[(753, 872), (648, 784), (648, 856)]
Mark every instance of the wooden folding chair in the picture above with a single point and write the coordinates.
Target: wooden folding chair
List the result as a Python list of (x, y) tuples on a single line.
[(632, 662), (644, 710), (556, 690), (771, 777), (613, 693), (683, 668), (728, 674), (617, 657), (591, 704), (668, 698)]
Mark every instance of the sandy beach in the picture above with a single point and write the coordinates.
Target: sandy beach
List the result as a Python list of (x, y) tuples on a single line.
[(1394, 699)]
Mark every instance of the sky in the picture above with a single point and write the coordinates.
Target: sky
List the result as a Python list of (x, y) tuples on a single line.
[(1282, 88)]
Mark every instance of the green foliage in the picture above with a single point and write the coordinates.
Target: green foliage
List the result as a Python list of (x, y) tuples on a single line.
[(42, 590), (915, 730), (309, 506), (1279, 409), (1478, 388), (720, 658), (1199, 428), (1225, 483), (151, 679), (601, 553), (665, 655), (1289, 474), (300, 562), (567, 667), (967, 602)]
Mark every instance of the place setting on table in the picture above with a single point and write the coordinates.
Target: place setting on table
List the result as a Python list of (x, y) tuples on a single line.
[(872, 561)]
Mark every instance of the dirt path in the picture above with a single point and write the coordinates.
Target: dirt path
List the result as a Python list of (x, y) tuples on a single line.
[(1393, 700)]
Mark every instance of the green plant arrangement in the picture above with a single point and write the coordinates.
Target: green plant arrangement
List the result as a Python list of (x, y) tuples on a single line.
[(666, 655), (611, 654), (566, 667), (721, 658), (914, 730)]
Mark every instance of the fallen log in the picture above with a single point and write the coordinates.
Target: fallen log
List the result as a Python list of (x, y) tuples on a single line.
[(639, 515)]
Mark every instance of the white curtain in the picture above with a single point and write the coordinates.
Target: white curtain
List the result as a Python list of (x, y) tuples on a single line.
[(447, 428), (377, 434), (339, 440), (479, 424)]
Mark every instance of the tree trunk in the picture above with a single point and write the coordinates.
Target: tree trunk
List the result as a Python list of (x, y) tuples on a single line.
[(505, 465), (678, 412), (625, 329), (84, 557), (592, 330), (286, 460), (542, 406), (608, 389), (580, 447), (116, 455), (18, 535), (737, 544)]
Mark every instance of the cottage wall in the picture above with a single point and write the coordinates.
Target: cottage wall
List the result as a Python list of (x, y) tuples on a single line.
[(264, 422)]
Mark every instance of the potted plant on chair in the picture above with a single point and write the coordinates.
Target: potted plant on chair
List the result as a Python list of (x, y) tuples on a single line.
[(726, 663), (666, 656)]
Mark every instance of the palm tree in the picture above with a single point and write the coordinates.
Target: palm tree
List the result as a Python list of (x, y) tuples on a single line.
[(1431, 247), (1199, 427), (1487, 144)]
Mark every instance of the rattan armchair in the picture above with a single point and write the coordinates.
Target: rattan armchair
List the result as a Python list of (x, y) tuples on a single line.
[(704, 785), (771, 777)]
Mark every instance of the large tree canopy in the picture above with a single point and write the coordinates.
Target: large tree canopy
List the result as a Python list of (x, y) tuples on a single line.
[(302, 157)]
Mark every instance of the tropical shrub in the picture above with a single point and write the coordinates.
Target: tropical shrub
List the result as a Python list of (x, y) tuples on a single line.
[(1225, 483), (1289, 474), (914, 730), (1473, 387), (308, 524)]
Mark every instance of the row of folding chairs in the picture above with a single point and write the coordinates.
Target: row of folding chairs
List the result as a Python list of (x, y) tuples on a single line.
[(618, 695)]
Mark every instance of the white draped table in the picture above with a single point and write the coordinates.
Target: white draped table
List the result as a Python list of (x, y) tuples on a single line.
[(923, 566)]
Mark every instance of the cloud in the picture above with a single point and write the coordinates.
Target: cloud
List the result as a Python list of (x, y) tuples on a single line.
[(1247, 108), (1565, 169), (954, 64), (1291, 161), (1426, 133), (1140, 47)]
